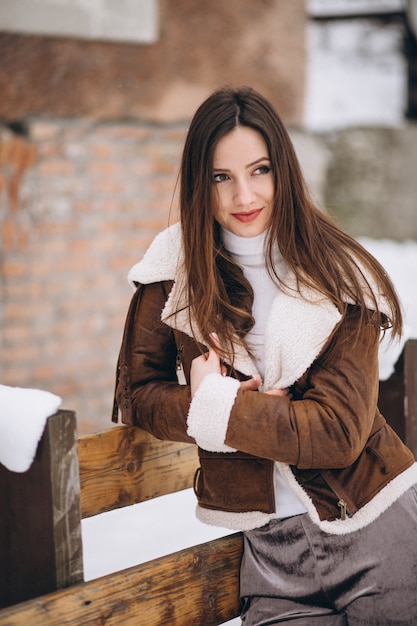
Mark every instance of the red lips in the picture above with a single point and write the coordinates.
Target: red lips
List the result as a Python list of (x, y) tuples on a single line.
[(247, 216)]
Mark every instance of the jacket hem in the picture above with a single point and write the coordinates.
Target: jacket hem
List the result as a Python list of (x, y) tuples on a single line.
[(250, 520), (366, 514)]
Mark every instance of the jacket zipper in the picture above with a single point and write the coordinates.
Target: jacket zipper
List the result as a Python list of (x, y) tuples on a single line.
[(179, 366), (346, 505), (343, 508)]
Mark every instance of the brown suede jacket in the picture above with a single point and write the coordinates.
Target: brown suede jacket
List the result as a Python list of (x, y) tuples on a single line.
[(329, 439)]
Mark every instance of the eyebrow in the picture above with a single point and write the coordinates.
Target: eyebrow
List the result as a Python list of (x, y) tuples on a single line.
[(224, 169)]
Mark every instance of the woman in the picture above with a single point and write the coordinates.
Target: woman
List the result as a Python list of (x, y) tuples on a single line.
[(254, 332)]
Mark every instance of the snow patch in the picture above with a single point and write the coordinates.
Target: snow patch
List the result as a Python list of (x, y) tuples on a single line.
[(23, 415)]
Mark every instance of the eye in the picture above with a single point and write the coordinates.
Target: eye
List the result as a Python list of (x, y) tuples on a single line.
[(219, 178), (262, 169)]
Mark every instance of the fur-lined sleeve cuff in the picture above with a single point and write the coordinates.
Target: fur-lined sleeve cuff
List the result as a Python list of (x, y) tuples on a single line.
[(209, 413)]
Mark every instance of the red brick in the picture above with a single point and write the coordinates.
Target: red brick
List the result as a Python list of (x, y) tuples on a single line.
[(14, 269), (56, 166)]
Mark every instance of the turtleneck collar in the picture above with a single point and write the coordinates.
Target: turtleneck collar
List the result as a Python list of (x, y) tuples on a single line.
[(243, 245), (248, 250)]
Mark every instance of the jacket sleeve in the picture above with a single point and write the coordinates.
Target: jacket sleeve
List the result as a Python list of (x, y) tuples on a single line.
[(327, 427), (147, 392)]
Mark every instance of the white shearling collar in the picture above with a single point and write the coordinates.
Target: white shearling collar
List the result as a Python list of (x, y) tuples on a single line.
[(162, 259), (298, 326)]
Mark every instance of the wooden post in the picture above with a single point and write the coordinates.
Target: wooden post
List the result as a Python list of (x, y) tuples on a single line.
[(40, 528), (410, 394), (398, 396), (391, 398)]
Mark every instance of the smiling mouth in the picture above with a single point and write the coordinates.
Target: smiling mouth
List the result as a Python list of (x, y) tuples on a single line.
[(247, 216)]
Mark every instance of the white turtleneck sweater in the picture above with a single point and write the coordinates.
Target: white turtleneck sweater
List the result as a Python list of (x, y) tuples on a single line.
[(248, 252)]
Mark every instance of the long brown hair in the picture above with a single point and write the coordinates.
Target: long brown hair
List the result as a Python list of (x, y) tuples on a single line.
[(318, 252)]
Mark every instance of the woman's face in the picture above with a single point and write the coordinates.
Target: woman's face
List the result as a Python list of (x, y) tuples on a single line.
[(244, 182)]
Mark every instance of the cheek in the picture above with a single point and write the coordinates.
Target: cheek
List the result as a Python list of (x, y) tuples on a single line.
[(218, 201), (271, 190)]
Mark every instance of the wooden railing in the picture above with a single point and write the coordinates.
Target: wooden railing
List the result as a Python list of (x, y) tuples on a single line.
[(41, 568)]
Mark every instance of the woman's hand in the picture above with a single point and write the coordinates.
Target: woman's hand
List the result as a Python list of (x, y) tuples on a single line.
[(278, 392), (210, 363), (252, 384), (204, 365)]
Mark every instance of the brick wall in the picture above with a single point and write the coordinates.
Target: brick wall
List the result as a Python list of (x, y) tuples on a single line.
[(79, 203)]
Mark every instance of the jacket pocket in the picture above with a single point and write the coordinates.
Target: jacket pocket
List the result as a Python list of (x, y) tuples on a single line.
[(235, 482)]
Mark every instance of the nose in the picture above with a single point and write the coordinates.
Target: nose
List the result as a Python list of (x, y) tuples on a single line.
[(244, 193)]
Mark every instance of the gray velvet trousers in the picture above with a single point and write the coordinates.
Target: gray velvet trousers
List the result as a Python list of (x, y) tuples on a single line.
[(293, 573)]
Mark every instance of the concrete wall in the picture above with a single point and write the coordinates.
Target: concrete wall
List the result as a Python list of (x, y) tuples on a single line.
[(372, 181), (101, 19), (365, 177)]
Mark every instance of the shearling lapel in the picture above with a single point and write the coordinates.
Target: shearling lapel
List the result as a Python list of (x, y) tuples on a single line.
[(296, 331), (162, 259), (176, 315), (297, 327)]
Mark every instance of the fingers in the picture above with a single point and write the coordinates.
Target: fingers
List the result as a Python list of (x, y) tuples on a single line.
[(278, 392), (211, 362), (213, 357), (217, 349), (215, 340), (201, 367), (252, 384)]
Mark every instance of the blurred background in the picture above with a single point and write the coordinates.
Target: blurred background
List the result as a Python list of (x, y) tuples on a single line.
[(95, 98)]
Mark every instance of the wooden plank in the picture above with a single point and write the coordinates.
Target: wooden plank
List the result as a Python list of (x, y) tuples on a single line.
[(410, 394), (125, 465), (197, 586), (40, 532)]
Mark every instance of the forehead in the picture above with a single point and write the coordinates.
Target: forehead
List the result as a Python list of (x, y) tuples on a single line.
[(242, 145)]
